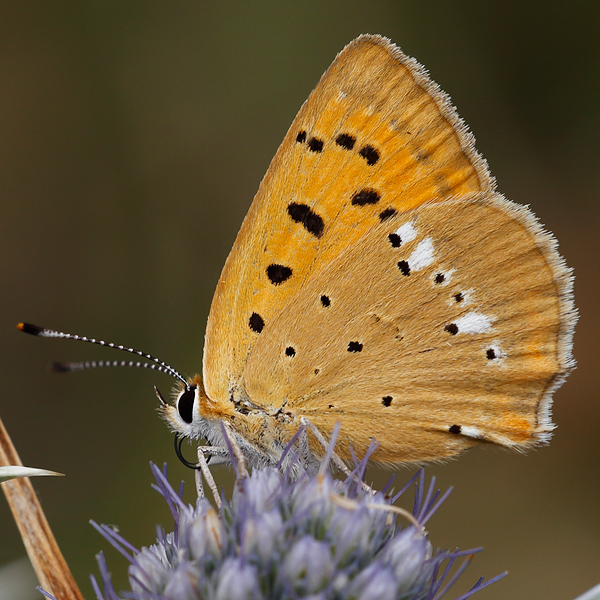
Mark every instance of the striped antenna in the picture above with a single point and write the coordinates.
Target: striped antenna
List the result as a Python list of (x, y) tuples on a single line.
[(59, 367)]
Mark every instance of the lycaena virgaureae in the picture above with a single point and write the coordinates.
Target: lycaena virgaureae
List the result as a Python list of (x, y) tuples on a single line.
[(379, 280)]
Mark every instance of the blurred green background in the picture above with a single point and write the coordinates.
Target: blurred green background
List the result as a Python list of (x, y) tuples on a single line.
[(133, 136)]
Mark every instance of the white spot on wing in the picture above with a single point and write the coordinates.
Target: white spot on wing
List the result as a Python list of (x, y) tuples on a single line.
[(473, 323), (407, 232), (422, 256), (472, 432)]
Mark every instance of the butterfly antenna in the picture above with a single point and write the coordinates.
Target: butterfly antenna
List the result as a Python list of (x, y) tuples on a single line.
[(61, 367)]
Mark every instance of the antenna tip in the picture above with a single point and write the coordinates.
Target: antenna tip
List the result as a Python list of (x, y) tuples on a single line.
[(60, 367), (29, 328)]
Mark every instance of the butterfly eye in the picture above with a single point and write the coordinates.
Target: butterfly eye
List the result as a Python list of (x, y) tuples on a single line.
[(185, 404)]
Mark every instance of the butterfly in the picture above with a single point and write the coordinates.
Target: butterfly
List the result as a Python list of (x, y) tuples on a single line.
[(380, 281)]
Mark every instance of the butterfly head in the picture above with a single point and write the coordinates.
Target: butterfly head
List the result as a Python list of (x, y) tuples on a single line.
[(192, 414)]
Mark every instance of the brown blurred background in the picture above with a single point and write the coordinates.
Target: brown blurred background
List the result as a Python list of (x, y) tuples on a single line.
[(133, 136)]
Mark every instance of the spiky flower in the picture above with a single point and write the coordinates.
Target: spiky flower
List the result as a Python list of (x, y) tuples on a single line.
[(312, 537)]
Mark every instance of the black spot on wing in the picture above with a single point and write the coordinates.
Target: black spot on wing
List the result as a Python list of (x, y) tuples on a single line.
[(277, 274), (355, 347), (367, 196), (386, 400), (387, 214), (345, 140), (395, 240), (256, 322), (451, 328), (301, 137), (404, 268), (369, 154), (455, 429), (315, 145), (310, 220)]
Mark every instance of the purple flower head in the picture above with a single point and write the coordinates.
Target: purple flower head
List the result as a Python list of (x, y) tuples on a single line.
[(311, 537)]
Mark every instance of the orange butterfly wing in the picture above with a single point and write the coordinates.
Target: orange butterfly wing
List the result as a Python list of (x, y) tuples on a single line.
[(443, 326), (376, 137)]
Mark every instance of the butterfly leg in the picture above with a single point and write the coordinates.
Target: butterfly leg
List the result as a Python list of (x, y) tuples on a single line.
[(221, 454), (303, 449), (199, 484), (202, 450), (339, 463), (242, 471)]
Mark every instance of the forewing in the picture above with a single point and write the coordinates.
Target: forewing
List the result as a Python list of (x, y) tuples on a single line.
[(376, 137)]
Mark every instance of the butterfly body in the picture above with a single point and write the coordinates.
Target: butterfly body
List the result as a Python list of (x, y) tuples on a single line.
[(379, 280)]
